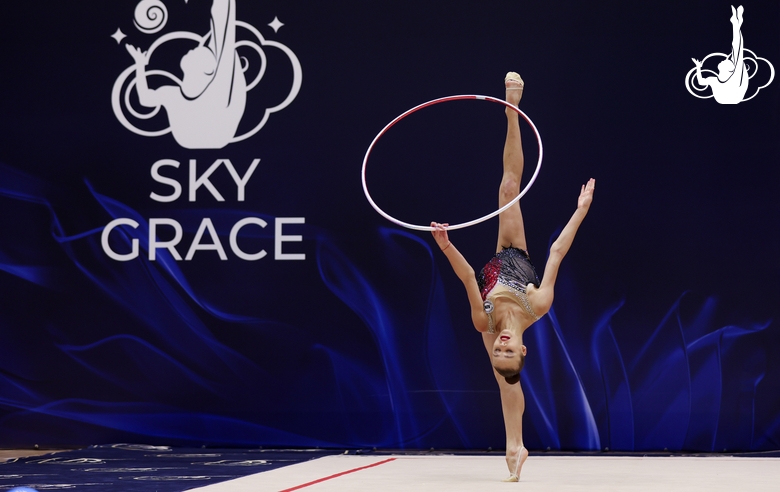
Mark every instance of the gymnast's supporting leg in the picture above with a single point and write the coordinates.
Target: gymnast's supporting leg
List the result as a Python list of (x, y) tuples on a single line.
[(513, 406), (510, 222)]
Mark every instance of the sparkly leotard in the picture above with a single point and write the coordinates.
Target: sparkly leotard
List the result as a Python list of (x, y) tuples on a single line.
[(512, 268)]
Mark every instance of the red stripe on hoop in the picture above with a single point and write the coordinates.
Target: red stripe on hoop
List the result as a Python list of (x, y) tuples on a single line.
[(338, 475)]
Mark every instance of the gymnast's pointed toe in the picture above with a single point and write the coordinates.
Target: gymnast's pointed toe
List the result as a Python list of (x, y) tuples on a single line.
[(513, 81)]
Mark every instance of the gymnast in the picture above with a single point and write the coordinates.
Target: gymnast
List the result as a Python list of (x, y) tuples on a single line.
[(205, 109), (731, 84), (507, 296)]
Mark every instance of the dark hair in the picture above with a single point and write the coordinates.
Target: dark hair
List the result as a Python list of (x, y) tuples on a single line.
[(512, 375)]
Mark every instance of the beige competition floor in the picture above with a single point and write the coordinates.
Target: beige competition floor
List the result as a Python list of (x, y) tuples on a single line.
[(540, 473)]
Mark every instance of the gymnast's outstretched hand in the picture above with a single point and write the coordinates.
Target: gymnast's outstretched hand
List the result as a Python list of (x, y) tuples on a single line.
[(440, 234), (586, 194), (138, 55)]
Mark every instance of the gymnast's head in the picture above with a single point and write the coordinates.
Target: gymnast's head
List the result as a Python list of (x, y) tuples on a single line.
[(508, 356), (198, 65), (725, 69)]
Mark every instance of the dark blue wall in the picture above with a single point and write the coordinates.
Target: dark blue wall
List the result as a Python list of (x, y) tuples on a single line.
[(665, 322)]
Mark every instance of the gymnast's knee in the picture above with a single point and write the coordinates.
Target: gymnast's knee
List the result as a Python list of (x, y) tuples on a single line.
[(510, 187)]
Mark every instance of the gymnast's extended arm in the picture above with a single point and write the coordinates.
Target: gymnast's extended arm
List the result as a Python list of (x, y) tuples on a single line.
[(541, 300), (464, 272), (701, 80), (146, 96)]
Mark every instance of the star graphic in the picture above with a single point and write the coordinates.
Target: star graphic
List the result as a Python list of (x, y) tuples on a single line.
[(276, 24), (118, 36)]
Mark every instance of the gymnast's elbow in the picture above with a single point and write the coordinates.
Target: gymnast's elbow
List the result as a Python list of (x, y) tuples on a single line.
[(557, 251), (467, 274)]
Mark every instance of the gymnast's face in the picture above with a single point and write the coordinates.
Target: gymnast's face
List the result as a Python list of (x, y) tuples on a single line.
[(507, 349)]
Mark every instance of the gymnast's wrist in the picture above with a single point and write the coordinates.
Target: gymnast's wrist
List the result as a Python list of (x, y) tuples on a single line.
[(449, 243)]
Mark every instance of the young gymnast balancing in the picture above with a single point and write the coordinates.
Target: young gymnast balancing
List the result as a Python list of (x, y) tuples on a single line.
[(731, 84), (507, 297), (204, 110)]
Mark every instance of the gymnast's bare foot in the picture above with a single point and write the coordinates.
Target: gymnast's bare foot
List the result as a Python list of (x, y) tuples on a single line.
[(514, 461), (736, 16), (514, 88)]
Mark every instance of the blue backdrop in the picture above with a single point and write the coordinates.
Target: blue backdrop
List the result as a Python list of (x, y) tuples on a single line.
[(350, 331)]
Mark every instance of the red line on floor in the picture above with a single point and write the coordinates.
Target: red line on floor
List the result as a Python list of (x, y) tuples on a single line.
[(338, 475)]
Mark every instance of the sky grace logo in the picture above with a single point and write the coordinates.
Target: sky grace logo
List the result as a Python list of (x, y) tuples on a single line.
[(731, 84), (204, 107)]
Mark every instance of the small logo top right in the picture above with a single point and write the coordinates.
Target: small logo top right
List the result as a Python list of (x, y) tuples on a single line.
[(735, 71)]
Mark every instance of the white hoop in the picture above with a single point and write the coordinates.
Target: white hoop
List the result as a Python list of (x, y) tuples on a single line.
[(431, 103)]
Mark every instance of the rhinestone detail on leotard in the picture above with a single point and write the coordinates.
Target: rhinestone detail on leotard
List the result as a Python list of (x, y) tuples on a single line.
[(516, 274)]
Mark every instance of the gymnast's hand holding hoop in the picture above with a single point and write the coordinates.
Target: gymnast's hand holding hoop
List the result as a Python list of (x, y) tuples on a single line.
[(439, 232)]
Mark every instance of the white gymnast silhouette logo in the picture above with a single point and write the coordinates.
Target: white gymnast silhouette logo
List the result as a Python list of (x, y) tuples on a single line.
[(205, 107), (730, 84)]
